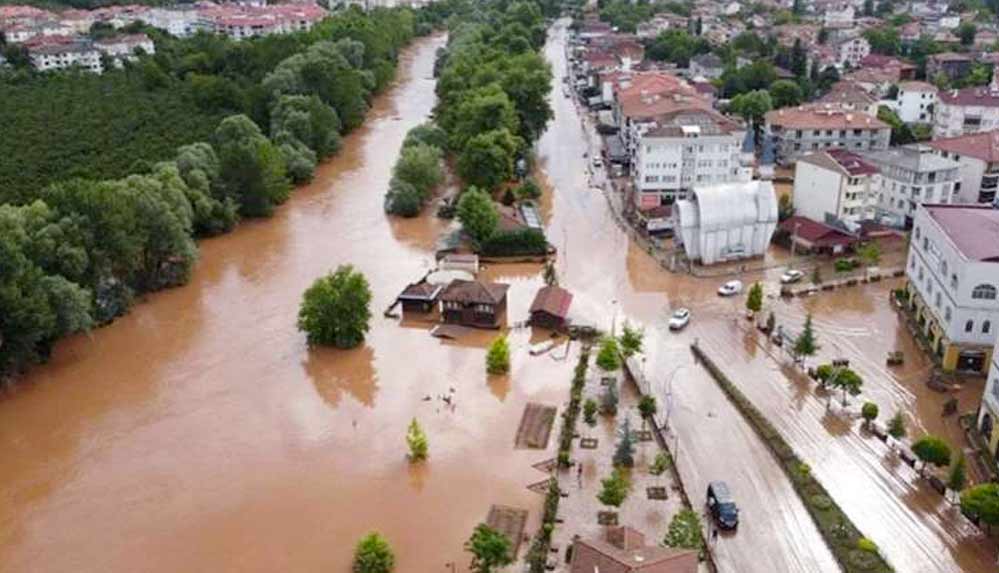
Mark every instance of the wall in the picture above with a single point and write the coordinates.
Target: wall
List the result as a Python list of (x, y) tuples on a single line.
[(816, 191)]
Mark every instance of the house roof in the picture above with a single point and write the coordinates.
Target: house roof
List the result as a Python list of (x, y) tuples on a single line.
[(916, 157), (421, 291), (475, 292), (708, 60), (553, 300), (842, 161), (984, 145), (978, 96), (974, 229), (708, 122), (951, 57), (918, 87), (819, 117), (847, 92), (626, 552), (818, 234)]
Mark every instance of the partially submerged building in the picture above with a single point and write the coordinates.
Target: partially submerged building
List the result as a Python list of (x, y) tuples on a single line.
[(550, 308), (474, 303), (726, 222)]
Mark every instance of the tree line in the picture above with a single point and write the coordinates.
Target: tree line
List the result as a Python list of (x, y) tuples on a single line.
[(259, 115)]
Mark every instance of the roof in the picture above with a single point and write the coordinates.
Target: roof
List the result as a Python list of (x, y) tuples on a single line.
[(842, 161), (883, 61), (918, 157), (625, 552), (816, 117), (845, 91), (818, 234), (421, 291), (475, 292), (984, 145), (974, 229), (918, 87), (728, 205), (951, 57), (553, 300), (709, 122), (982, 96), (708, 60)]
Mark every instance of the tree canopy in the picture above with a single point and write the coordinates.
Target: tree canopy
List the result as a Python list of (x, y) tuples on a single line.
[(335, 309)]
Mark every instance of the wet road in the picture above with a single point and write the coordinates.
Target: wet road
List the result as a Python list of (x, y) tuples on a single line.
[(199, 433)]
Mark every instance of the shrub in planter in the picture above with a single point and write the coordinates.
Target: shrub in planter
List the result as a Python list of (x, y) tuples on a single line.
[(515, 243)]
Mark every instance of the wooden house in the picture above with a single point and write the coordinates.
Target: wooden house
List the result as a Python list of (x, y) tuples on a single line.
[(420, 297), (550, 308), (474, 303)]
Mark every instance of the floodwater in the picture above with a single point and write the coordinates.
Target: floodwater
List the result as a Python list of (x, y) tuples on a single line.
[(200, 433)]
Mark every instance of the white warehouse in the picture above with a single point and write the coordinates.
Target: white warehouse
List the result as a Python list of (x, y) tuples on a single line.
[(726, 222)]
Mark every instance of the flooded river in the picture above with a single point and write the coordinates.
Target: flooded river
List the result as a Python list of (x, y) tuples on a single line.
[(200, 433)]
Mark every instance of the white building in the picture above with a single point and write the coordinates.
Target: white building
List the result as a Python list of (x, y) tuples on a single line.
[(953, 272), (835, 185), (684, 149), (61, 56), (126, 48), (978, 154), (968, 110), (916, 102), (851, 51), (988, 413), (726, 222), (177, 22), (841, 18), (911, 176)]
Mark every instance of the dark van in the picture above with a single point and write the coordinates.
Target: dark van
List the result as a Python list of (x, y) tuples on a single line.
[(722, 506)]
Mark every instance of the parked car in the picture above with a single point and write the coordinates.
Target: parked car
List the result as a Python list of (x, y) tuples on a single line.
[(791, 276), (730, 288), (722, 506), (598, 163), (679, 319)]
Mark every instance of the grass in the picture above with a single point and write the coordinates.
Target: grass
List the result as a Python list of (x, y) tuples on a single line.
[(854, 552)]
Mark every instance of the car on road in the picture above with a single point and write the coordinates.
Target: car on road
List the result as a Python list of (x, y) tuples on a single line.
[(730, 288), (721, 505), (598, 163), (791, 276), (679, 319)]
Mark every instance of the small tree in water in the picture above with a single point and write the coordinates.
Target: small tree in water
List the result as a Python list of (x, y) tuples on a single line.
[(869, 411), (647, 407), (590, 412), (550, 275), (754, 301), (896, 426), (608, 359), (614, 489), (335, 309), (631, 341), (932, 450), (498, 357), (958, 477), (609, 399), (373, 555), (624, 455), (771, 322), (417, 440), (685, 531), (805, 345), (490, 549)]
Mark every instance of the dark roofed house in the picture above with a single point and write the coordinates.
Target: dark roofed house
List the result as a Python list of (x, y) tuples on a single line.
[(816, 237), (550, 308), (955, 66), (474, 303), (420, 297), (625, 551)]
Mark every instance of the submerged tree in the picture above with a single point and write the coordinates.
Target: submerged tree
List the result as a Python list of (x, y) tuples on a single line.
[(631, 341), (614, 489), (335, 309), (417, 441), (932, 450), (754, 300), (609, 358), (805, 345), (490, 549), (498, 356), (373, 555)]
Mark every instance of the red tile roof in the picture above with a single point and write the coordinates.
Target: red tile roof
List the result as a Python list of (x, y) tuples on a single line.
[(552, 300), (974, 229), (841, 160), (816, 117), (626, 552), (982, 96), (475, 292), (818, 234), (984, 145)]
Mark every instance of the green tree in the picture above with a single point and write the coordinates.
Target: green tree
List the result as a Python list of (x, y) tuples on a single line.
[(609, 356), (631, 340), (647, 406), (609, 399), (884, 40), (498, 356), (309, 120), (869, 411), (966, 32), (490, 549), (684, 531), (982, 502), (870, 253), (428, 133), (251, 168), (624, 453), (901, 134), (481, 110), (477, 214), (806, 345), (932, 450), (335, 309), (752, 106), (420, 166), (403, 199), (373, 555), (416, 439), (614, 489), (754, 300), (958, 476), (785, 93), (550, 274), (896, 426), (848, 381), (771, 322), (487, 160)]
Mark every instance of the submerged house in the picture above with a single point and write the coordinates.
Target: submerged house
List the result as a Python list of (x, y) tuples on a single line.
[(550, 308), (726, 222), (420, 297), (474, 303)]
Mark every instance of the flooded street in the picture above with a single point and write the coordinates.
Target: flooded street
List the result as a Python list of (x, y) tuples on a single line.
[(199, 433)]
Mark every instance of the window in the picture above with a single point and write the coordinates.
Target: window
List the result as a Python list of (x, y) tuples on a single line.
[(969, 326), (986, 327), (984, 292), (943, 268), (947, 314), (953, 282), (939, 300)]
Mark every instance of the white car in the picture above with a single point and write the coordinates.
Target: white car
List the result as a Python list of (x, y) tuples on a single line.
[(730, 288), (679, 319), (791, 276)]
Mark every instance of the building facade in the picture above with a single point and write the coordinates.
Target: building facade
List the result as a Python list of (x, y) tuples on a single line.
[(80, 54), (988, 412), (806, 129), (916, 102), (835, 185), (968, 110), (953, 283), (726, 222), (911, 176), (978, 155)]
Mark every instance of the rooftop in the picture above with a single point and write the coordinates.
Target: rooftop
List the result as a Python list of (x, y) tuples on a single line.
[(918, 87), (984, 145), (974, 229), (812, 117), (707, 121), (625, 551), (475, 292), (841, 160), (982, 96), (818, 234), (918, 157), (553, 300)]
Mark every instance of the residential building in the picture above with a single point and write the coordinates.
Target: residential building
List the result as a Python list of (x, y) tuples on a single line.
[(953, 283), (953, 65), (689, 147), (967, 110), (708, 66), (126, 48), (59, 56), (988, 412), (804, 129), (978, 154), (177, 21), (810, 236), (726, 222), (474, 303), (420, 298), (850, 96), (639, 101), (550, 308), (835, 185), (916, 101), (624, 551), (900, 69), (837, 17), (911, 176), (850, 52)]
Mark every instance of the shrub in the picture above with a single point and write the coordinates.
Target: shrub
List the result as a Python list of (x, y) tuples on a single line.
[(615, 489), (373, 555), (403, 199), (865, 544), (609, 358), (498, 357), (845, 265), (525, 242), (660, 464), (821, 502), (590, 412), (685, 531), (417, 441), (528, 190), (869, 411)]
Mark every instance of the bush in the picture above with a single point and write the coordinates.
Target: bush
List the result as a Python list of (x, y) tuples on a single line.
[(865, 544), (335, 309), (609, 358), (525, 242), (498, 357), (417, 441), (845, 265), (373, 555), (528, 190), (821, 502), (403, 199), (685, 531), (869, 411), (660, 464), (615, 489)]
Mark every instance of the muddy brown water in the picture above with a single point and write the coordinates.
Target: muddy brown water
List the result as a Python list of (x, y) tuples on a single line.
[(200, 433)]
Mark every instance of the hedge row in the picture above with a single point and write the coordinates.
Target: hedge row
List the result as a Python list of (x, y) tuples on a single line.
[(854, 552)]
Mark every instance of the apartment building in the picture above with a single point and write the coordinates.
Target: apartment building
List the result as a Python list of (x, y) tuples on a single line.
[(916, 102), (805, 129), (911, 176), (953, 283), (978, 154), (988, 412), (686, 148), (47, 57), (835, 185), (968, 110)]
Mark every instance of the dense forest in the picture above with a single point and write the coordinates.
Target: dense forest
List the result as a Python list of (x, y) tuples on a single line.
[(106, 181)]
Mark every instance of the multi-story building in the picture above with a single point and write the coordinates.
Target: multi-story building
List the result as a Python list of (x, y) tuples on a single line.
[(851, 51), (708, 66), (850, 96), (953, 282), (835, 185), (911, 176), (841, 16), (916, 101), (805, 129), (126, 48), (968, 110), (83, 54), (638, 101), (686, 148), (988, 412), (978, 154), (953, 65), (726, 222), (176, 21)]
